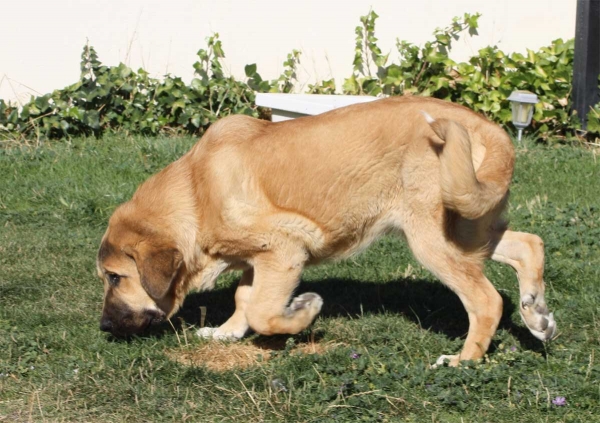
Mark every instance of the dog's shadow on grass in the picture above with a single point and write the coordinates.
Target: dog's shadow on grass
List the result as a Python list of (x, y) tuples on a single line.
[(429, 304)]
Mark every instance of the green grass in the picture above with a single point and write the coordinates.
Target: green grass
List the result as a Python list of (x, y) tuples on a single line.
[(56, 365)]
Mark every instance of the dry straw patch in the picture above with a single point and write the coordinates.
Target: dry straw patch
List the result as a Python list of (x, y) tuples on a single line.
[(223, 356)]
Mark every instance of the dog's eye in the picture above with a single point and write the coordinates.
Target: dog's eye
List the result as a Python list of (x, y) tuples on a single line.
[(113, 278)]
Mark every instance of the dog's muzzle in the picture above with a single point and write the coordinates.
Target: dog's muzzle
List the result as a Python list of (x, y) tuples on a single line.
[(123, 322)]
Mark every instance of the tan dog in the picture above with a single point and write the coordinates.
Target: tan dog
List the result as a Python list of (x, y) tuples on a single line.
[(271, 198)]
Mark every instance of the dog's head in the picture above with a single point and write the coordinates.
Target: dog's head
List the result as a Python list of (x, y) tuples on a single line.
[(139, 266)]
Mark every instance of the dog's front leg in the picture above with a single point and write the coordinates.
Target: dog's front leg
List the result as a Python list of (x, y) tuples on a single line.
[(237, 325), (276, 275)]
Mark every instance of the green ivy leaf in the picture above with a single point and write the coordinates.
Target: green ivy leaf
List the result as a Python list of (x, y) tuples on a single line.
[(32, 109), (92, 119), (593, 120), (250, 70), (351, 85)]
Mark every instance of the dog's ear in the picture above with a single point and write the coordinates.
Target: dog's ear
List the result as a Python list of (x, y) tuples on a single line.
[(157, 265)]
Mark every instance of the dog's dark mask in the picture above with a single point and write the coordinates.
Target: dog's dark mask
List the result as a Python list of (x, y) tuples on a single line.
[(120, 320)]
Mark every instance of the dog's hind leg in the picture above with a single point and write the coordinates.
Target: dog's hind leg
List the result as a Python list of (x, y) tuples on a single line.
[(463, 274), (237, 325), (525, 253), (276, 275)]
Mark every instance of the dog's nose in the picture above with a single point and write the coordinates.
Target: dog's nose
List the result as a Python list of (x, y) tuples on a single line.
[(156, 316), (105, 325)]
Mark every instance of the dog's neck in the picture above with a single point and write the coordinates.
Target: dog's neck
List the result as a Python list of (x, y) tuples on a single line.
[(168, 202)]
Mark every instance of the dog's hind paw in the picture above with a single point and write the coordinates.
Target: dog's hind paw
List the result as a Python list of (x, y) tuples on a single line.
[(452, 361), (536, 317), (550, 328)]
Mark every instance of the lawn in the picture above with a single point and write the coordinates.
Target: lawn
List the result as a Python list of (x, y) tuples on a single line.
[(385, 318)]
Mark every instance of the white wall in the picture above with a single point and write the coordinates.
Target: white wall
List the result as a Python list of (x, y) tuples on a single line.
[(42, 40)]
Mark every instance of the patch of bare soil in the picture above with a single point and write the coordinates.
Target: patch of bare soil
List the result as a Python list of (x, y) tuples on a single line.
[(222, 356)]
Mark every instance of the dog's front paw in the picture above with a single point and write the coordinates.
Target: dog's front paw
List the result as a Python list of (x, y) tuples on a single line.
[(309, 301), (206, 332), (219, 334)]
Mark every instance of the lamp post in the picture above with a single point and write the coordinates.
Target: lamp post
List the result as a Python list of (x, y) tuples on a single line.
[(522, 103)]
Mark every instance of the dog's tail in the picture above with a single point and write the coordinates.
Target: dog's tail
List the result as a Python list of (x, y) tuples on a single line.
[(472, 194)]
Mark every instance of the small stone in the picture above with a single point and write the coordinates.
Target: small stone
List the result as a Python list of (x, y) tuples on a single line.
[(278, 386)]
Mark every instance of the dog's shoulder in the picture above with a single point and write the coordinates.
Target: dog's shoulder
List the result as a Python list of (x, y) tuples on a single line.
[(234, 128)]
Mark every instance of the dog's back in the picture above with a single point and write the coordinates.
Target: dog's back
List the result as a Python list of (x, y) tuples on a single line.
[(351, 174)]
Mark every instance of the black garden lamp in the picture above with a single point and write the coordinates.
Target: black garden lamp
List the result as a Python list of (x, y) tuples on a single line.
[(522, 103)]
